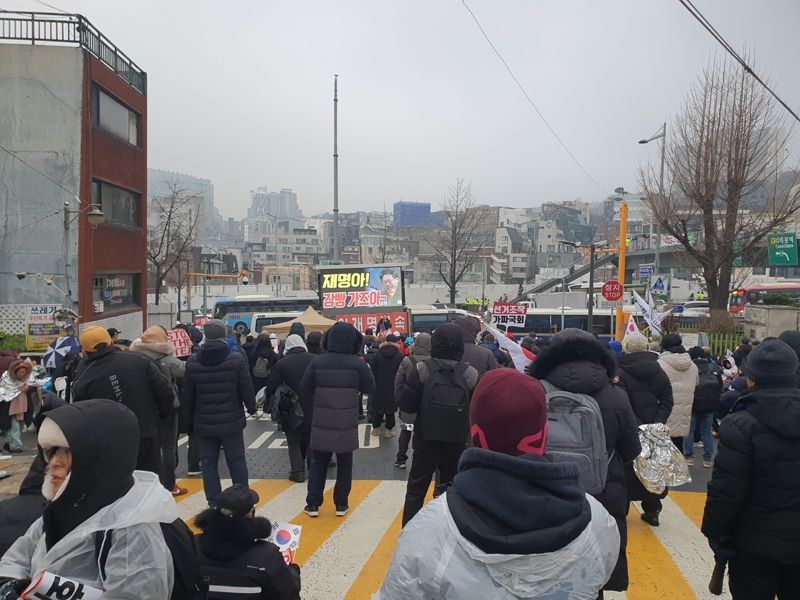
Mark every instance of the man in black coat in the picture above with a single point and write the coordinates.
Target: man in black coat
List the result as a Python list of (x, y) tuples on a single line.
[(650, 394), (479, 358), (384, 364), (128, 377), (704, 406), (577, 362), (217, 387), (290, 370), (336, 381), (752, 514)]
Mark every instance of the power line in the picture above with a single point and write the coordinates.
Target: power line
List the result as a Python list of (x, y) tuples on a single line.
[(45, 175), (51, 6), (693, 10), (530, 100)]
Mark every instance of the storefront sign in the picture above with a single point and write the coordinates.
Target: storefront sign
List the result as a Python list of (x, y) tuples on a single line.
[(40, 327)]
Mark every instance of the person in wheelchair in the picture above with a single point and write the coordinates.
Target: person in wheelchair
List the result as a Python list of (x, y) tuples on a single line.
[(236, 557)]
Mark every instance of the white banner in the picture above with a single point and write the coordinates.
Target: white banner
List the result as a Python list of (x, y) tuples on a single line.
[(649, 313), (517, 355)]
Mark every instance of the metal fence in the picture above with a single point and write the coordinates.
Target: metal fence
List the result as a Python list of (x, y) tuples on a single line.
[(58, 28)]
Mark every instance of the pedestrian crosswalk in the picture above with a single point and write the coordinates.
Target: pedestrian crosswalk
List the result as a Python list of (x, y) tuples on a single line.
[(347, 557)]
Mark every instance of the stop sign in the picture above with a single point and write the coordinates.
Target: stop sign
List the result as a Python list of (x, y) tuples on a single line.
[(612, 290)]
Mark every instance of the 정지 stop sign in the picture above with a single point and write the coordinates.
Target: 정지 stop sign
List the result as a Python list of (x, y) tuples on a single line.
[(612, 290)]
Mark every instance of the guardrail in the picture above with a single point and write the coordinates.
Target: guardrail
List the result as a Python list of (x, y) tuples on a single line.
[(62, 28)]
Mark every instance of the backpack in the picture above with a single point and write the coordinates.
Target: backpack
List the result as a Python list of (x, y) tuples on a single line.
[(710, 386), (261, 368), (575, 433), (189, 581), (444, 408), (286, 410)]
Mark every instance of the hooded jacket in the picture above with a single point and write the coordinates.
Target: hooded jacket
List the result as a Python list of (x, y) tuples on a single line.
[(385, 364), (164, 354), (102, 492), (683, 378), (541, 538), (753, 500), (130, 378), (420, 351), (217, 387), (314, 342), (731, 396), (475, 356), (336, 381), (577, 362), (709, 390), (234, 552), (647, 385)]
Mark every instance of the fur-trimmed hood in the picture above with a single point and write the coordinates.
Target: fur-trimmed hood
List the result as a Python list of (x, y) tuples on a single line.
[(19, 364), (162, 348), (572, 346)]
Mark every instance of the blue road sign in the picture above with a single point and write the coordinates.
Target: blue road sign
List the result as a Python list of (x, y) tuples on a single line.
[(677, 309), (658, 285), (646, 271)]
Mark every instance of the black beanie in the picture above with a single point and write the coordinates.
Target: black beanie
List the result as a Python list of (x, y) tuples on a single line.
[(696, 352), (792, 338), (772, 363), (672, 342), (447, 342)]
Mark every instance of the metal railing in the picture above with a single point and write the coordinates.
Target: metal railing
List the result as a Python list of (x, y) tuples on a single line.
[(62, 28)]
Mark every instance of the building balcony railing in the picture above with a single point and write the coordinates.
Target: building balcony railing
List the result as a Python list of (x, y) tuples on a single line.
[(71, 29)]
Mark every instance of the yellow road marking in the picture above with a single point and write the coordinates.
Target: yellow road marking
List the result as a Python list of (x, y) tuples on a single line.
[(692, 504), (193, 486)]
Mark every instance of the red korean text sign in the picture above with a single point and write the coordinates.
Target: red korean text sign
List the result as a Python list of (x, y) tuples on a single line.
[(612, 290)]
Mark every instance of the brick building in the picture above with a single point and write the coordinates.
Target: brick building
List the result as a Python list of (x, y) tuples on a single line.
[(77, 117)]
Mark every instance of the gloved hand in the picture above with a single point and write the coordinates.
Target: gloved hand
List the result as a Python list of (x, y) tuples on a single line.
[(722, 549), (12, 588)]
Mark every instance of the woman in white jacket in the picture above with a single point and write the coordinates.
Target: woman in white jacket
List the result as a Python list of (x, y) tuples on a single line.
[(683, 377), (514, 524), (90, 448)]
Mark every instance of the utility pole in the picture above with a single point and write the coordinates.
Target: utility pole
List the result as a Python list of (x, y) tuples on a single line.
[(336, 240), (67, 265), (657, 265), (206, 265), (590, 303)]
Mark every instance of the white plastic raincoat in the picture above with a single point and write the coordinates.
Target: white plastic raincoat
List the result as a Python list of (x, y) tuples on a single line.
[(433, 561), (139, 564)]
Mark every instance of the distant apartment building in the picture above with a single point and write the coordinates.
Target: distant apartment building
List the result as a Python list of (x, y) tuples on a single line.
[(639, 217), (266, 204), (196, 191), (74, 120), (407, 214)]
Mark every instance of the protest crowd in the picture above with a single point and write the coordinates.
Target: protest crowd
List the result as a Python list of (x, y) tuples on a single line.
[(533, 447)]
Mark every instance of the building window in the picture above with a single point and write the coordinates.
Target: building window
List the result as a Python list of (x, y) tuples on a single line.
[(116, 292), (116, 118), (120, 206)]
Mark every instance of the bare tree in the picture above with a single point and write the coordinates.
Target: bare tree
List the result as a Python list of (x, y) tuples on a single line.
[(457, 244), (173, 233), (725, 152)]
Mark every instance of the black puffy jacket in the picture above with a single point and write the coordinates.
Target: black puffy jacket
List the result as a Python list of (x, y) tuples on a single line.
[(290, 370), (336, 380), (217, 387), (648, 387), (577, 362), (708, 391), (753, 497), (384, 364), (130, 378)]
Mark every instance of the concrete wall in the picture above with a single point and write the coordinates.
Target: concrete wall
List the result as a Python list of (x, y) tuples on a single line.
[(40, 119)]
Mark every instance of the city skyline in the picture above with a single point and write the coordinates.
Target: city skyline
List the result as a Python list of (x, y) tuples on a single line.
[(250, 103)]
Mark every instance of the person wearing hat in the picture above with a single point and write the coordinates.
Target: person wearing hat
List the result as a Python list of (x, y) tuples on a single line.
[(481, 359), (114, 333), (420, 351), (439, 435), (130, 378), (650, 395), (91, 485), (752, 512), (218, 388), (384, 364), (289, 370), (155, 344), (684, 379), (542, 537), (235, 555)]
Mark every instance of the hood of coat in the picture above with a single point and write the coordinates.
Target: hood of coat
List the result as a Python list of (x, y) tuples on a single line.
[(343, 338), (15, 366), (213, 353), (777, 408), (226, 538), (470, 327), (103, 437), (739, 384), (542, 508), (298, 329), (641, 365), (422, 345), (678, 362), (490, 346), (579, 348), (154, 350), (388, 350)]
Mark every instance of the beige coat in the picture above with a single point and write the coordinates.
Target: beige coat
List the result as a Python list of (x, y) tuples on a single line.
[(683, 377)]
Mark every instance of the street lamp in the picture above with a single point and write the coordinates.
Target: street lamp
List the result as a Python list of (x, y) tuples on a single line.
[(590, 301), (96, 217), (662, 135)]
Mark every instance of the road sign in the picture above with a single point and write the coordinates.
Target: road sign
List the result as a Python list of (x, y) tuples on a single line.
[(646, 270), (739, 260), (782, 249), (612, 290), (677, 309), (659, 286), (610, 304)]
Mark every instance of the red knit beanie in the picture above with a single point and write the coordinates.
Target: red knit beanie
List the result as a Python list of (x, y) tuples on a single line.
[(508, 413)]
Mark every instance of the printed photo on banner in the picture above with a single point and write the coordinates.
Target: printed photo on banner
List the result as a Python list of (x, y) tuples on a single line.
[(361, 287)]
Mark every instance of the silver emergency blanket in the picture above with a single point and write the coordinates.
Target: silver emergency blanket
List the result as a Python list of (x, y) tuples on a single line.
[(9, 388), (660, 464)]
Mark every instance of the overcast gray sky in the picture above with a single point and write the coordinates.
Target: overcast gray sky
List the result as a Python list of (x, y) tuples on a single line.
[(241, 92)]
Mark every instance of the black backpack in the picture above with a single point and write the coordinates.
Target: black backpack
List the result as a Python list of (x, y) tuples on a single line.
[(444, 409), (189, 581), (286, 410)]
